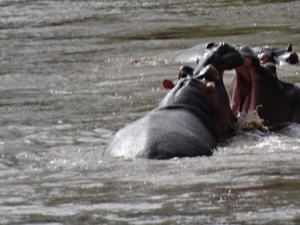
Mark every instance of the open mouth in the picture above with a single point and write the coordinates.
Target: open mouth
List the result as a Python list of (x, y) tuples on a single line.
[(253, 88), (241, 99), (248, 83)]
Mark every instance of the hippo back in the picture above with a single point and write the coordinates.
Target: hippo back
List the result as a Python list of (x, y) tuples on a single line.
[(164, 134), (182, 126)]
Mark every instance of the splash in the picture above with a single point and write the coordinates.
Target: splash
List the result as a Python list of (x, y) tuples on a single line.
[(249, 121)]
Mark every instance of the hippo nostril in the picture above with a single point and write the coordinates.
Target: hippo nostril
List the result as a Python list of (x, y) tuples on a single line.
[(210, 45), (182, 75)]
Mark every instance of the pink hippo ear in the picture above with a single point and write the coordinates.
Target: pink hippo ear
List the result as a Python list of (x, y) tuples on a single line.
[(290, 48), (167, 84)]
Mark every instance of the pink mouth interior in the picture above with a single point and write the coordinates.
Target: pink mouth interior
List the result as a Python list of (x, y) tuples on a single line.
[(242, 93)]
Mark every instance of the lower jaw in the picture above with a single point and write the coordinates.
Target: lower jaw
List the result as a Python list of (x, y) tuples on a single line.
[(246, 105)]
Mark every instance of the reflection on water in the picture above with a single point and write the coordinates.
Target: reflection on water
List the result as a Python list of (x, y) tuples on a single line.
[(74, 72)]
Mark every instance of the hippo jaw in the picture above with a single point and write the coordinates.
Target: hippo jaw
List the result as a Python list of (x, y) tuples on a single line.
[(221, 56), (245, 89), (257, 88), (243, 93)]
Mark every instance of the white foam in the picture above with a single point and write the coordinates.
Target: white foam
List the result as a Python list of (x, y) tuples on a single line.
[(249, 121)]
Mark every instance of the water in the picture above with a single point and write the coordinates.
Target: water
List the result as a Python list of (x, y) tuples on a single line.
[(74, 72)]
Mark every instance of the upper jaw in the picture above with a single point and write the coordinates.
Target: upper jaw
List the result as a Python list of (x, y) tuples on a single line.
[(222, 56), (243, 95)]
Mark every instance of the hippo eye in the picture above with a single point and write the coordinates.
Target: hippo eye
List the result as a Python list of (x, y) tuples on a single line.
[(185, 71), (182, 75), (210, 45)]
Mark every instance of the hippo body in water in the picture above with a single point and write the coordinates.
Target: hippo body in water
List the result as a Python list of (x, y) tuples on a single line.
[(257, 87), (191, 118)]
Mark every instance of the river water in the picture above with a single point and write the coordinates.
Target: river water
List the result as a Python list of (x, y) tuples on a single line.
[(74, 72)]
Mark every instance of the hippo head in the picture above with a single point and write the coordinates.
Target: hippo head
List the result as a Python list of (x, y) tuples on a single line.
[(278, 55), (204, 94), (221, 56), (257, 88)]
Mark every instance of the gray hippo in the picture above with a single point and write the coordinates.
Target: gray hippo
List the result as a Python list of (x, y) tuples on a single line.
[(190, 120), (276, 55), (258, 87), (265, 54)]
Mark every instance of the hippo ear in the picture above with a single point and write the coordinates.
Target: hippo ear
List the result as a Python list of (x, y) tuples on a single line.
[(167, 84), (290, 48)]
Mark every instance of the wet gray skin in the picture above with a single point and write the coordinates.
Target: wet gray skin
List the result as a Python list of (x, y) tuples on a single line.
[(188, 122)]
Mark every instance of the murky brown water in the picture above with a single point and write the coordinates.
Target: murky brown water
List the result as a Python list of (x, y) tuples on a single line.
[(74, 72)]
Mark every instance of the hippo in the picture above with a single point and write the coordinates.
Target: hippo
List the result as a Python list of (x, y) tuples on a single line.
[(276, 55), (257, 87), (190, 120)]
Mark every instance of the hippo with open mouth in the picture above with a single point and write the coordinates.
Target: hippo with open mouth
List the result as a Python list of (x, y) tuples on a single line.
[(257, 87), (190, 120)]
